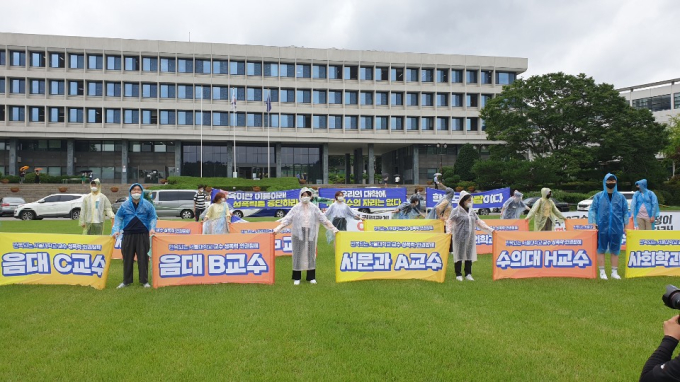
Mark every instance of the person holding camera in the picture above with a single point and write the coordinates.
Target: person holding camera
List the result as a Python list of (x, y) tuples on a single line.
[(659, 366)]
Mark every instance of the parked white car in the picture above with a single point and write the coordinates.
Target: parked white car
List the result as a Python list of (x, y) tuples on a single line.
[(52, 206), (584, 205)]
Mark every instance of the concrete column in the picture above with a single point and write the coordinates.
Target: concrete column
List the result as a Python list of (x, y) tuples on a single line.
[(371, 163), (277, 154), (324, 162), (359, 166), (12, 170), (124, 162), (416, 165), (178, 158), (348, 170), (70, 149), (230, 159)]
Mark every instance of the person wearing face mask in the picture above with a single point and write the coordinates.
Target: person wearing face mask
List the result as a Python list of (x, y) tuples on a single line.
[(338, 213), (199, 201), (645, 206), (443, 208), (408, 210), (217, 218), (545, 212), (609, 213), (420, 197), (135, 220), (462, 221), (95, 210), (513, 207), (305, 218)]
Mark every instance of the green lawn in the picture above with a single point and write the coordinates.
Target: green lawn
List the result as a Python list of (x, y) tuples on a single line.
[(511, 330)]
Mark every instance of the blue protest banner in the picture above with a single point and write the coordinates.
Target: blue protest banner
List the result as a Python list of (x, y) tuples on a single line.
[(486, 199), (367, 197)]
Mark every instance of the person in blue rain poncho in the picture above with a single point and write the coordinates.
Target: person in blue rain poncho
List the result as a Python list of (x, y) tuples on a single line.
[(609, 213), (135, 220), (513, 207), (408, 210), (645, 207)]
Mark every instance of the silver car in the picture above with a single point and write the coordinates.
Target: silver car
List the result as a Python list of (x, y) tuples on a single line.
[(9, 204), (174, 203)]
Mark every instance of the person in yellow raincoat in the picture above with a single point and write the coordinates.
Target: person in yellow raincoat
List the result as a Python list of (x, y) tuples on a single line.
[(544, 212), (95, 210)]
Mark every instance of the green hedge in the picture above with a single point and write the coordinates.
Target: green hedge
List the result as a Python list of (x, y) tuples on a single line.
[(270, 184)]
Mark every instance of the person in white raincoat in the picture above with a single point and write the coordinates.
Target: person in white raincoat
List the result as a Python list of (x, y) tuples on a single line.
[(339, 213), (217, 217), (513, 207), (305, 218), (463, 220), (96, 208)]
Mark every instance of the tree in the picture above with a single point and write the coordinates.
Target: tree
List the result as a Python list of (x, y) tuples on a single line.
[(583, 127), (467, 156), (672, 150)]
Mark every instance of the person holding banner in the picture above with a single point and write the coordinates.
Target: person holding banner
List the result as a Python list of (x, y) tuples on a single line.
[(609, 213), (645, 206), (408, 210), (513, 207), (463, 220), (136, 220), (217, 217), (96, 208), (442, 210), (339, 212), (305, 218), (545, 212)]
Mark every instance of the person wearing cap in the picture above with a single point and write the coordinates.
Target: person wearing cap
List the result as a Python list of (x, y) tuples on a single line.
[(408, 210), (304, 218), (513, 207), (462, 221), (609, 213), (645, 206), (96, 208)]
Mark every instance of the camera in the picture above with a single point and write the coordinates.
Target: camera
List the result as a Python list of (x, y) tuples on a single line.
[(672, 297)]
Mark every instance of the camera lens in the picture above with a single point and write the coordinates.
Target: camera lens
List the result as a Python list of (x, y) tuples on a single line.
[(671, 298)]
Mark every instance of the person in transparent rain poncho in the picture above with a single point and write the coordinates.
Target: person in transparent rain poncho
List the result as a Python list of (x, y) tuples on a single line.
[(443, 208), (217, 217), (513, 207), (545, 213), (408, 210), (305, 218), (339, 213), (95, 210), (463, 220)]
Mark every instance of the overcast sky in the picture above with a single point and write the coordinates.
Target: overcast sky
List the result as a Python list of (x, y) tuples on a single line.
[(623, 42)]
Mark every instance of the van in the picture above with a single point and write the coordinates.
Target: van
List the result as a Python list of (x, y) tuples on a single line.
[(174, 203)]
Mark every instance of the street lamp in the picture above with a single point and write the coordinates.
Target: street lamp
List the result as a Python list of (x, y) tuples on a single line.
[(441, 149)]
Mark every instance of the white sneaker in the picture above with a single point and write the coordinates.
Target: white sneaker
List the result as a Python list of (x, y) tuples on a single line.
[(615, 276), (296, 282), (312, 281), (469, 278), (459, 278), (122, 285), (603, 275), (147, 285)]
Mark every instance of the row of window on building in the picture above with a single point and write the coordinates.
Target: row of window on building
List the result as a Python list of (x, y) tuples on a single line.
[(40, 114), (251, 94), (258, 68), (658, 103)]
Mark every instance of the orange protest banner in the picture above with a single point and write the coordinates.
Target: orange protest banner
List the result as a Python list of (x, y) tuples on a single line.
[(165, 227), (485, 240), (583, 225), (282, 242), (578, 225), (213, 259), (518, 255)]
